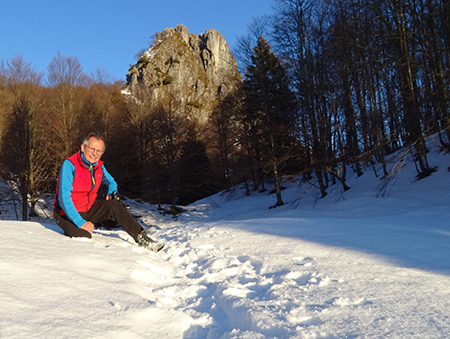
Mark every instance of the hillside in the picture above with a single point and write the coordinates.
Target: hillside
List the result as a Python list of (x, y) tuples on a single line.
[(354, 264)]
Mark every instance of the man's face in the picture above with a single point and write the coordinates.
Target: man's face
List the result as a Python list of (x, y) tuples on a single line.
[(94, 150)]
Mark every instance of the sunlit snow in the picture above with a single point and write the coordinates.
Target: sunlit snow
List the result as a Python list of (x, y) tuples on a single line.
[(354, 264)]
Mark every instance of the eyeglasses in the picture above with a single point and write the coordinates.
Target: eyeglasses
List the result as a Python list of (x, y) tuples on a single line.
[(93, 150)]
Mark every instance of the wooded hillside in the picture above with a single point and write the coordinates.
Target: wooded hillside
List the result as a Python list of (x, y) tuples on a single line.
[(328, 86)]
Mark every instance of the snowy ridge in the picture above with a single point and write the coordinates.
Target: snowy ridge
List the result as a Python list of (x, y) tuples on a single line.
[(350, 265)]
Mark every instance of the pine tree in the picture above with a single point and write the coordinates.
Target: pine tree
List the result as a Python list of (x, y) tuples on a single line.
[(196, 178), (270, 105)]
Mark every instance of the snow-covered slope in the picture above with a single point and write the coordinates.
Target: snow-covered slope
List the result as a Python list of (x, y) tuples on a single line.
[(350, 265)]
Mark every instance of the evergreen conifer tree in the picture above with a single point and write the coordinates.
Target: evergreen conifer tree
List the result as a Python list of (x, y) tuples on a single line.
[(272, 108), (196, 179)]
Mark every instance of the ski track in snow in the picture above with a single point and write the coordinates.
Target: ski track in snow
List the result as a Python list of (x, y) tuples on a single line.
[(224, 293), (232, 293), (221, 290)]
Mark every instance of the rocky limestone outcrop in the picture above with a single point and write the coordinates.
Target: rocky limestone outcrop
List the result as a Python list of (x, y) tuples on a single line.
[(191, 72)]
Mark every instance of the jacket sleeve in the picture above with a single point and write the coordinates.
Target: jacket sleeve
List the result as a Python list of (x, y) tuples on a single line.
[(66, 175), (109, 181)]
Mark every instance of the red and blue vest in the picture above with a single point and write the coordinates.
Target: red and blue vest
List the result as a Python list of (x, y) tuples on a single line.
[(86, 183)]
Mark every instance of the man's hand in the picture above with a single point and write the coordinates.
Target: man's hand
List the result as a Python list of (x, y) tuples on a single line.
[(88, 226), (112, 196)]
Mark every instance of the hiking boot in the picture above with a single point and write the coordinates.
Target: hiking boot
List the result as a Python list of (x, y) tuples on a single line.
[(145, 241)]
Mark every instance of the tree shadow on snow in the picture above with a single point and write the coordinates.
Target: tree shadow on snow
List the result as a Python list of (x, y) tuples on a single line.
[(414, 242)]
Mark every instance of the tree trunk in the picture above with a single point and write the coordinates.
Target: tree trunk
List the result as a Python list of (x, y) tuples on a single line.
[(24, 193), (319, 176), (411, 107), (277, 183)]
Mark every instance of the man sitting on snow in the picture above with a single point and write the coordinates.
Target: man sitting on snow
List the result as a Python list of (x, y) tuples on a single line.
[(76, 208)]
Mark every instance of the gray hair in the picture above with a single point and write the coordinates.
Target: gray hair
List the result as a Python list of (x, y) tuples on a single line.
[(95, 135)]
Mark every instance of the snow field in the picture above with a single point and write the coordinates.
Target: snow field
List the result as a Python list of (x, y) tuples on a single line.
[(350, 265)]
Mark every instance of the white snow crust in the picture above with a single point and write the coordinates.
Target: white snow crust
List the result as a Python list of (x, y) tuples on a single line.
[(354, 264)]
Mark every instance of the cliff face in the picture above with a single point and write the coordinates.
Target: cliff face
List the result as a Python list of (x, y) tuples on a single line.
[(193, 71)]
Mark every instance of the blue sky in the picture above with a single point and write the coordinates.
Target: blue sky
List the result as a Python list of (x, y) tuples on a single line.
[(109, 33)]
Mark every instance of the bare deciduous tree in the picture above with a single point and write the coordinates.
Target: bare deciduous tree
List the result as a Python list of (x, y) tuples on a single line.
[(66, 70), (23, 148)]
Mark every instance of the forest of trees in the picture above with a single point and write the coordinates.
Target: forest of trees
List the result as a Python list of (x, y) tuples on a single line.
[(329, 86)]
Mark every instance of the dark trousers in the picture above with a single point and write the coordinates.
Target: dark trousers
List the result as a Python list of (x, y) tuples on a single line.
[(101, 210)]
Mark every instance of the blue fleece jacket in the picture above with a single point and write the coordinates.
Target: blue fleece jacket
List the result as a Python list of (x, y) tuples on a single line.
[(66, 177)]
